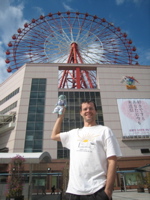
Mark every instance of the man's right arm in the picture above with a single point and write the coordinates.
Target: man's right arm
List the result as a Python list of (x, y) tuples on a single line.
[(57, 127)]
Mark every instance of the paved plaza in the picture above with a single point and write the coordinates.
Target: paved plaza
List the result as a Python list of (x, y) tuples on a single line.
[(131, 195)]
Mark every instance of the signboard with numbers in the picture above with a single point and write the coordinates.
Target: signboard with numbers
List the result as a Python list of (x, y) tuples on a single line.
[(134, 116)]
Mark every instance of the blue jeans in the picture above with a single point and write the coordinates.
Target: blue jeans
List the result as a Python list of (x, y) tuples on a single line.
[(99, 195)]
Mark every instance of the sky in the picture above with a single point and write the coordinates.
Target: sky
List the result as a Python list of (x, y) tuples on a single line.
[(132, 16)]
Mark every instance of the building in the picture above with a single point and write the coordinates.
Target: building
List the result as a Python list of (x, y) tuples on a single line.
[(28, 98)]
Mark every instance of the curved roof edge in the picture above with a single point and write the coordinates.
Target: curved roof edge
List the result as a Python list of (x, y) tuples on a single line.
[(41, 157)]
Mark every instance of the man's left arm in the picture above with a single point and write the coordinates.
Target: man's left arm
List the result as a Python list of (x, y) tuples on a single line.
[(111, 174)]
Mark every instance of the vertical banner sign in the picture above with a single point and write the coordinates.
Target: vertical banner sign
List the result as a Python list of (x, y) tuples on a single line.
[(134, 116)]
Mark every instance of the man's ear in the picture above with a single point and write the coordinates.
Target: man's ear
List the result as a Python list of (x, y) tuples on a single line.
[(80, 113)]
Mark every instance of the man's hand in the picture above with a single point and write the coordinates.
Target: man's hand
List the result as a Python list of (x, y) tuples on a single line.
[(111, 174), (63, 112), (57, 126), (109, 193)]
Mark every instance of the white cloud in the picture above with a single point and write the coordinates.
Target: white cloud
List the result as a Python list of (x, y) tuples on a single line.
[(68, 8), (144, 56), (11, 19), (148, 55), (137, 1), (3, 72), (119, 2), (39, 10)]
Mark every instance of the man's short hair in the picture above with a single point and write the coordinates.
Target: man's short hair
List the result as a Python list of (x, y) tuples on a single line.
[(88, 101)]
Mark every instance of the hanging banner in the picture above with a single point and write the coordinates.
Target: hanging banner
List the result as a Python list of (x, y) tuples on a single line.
[(134, 116)]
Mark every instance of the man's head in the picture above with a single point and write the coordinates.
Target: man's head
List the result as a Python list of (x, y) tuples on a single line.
[(88, 111), (88, 102)]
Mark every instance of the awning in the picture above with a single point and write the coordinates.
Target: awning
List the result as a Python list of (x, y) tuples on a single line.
[(145, 168), (36, 174), (126, 171), (31, 158)]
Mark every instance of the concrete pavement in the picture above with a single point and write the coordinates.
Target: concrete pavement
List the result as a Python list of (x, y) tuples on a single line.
[(117, 195), (131, 195)]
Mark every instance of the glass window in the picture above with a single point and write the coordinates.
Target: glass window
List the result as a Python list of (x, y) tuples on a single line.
[(29, 144), (60, 145), (97, 101), (71, 95), (29, 133), (32, 109), (40, 109), (30, 126), (37, 144), (41, 88), (28, 149), (29, 137), (40, 101), (31, 117), (41, 94), (33, 95), (34, 88), (39, 117), (82, 95), (36, 150), (9, 96), (60, 153), (35, 121), (92, 94), (9, 108), (38, 126), (76, 94), (33, 101), (66, 154), (42, 81), (87, 95), (38, 134), (35, 81), (99, 109)]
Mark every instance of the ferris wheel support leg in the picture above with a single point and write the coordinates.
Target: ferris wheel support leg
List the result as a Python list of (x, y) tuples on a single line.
[(78, 76)]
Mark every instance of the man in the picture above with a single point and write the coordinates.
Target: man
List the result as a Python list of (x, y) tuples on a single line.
[(93, 156), (53, 189)]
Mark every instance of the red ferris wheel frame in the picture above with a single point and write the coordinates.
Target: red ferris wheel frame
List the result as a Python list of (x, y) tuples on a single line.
[(70, 37)]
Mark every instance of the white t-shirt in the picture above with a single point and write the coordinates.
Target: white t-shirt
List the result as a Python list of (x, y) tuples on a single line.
[(89, 149)]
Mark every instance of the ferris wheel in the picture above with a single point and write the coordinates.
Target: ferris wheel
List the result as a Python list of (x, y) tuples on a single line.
[(70, 37)]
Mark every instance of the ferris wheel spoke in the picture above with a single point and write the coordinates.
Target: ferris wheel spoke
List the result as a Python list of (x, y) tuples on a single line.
[(67, 24), (89, 59), (83, 40)]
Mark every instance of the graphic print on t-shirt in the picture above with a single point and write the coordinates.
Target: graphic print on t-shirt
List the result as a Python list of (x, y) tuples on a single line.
[(86, 141)]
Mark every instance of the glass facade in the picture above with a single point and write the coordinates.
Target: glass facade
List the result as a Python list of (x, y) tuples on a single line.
[(35, 120), (72, 117)]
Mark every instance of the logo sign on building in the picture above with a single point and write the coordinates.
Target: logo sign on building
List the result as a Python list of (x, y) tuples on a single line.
[(130, 82), (134, 116)]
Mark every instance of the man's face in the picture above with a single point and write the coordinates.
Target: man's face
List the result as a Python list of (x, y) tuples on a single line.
[(88, 112)]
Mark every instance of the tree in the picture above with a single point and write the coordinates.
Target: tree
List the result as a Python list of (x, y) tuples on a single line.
[(15, 181)]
